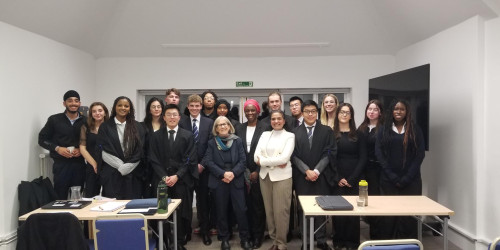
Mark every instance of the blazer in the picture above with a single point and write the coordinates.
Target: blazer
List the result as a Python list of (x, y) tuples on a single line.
[(204, 134), (241, 131), (269, 163), (214, 160), (320, 155), (178, 160)]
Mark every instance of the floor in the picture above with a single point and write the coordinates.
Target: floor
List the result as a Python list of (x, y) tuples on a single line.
[(429, 241)]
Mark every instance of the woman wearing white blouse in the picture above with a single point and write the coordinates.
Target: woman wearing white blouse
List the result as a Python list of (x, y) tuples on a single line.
[(273, 154)]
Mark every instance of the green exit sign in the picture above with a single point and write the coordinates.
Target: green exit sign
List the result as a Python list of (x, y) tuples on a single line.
[(244, 84)]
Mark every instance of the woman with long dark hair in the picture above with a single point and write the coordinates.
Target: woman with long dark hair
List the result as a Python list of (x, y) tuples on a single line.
[(88, 146), (351, 161), (152, 123), (371, 124), (400, 150), (121, 139)]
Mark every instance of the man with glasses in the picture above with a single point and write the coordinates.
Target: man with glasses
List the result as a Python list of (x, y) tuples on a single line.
[(172, 154), (274, 103), (313, 169), (296, 110), (201, 128), (209, 99)]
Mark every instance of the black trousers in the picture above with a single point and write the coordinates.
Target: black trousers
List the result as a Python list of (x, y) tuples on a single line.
[(205, 206), (346, 228), (400, 227), (66, 175), (92, 182), (256, 211), (115, 185), (226, 194)]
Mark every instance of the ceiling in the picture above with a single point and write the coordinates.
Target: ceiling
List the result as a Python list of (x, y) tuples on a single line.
[(240, 28)]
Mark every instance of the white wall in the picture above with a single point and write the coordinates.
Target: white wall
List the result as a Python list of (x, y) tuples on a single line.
[(489, 174), (455, 162), (123, 76), (34, 74)]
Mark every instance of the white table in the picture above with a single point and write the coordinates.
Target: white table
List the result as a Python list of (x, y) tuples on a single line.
[(378, 206), (86, 214)]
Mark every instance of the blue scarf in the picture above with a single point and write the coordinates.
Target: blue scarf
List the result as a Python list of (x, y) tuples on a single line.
[(225, 143)]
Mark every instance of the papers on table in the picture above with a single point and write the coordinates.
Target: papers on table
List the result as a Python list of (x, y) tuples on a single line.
[(109, 206)]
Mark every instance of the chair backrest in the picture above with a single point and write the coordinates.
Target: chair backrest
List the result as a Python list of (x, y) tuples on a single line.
[(51, 231), (495, 245), (403, 244), (127, 231)]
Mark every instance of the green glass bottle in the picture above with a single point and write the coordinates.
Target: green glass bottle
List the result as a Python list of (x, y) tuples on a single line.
[(162, 198)]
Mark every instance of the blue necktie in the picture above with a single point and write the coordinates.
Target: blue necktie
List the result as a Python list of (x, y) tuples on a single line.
[(195, 131)]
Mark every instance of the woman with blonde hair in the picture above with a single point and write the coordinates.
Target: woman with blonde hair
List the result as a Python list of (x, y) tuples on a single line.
[(328, 109)]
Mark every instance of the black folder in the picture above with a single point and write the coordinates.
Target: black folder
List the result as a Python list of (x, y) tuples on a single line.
[(333, 202)]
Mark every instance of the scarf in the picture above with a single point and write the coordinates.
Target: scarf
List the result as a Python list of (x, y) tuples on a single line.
[(225, 144)]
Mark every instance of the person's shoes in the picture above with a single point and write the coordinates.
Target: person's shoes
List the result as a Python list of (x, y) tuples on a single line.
[(206, 239), (257, 242), (289, 236), (197, 230), (246, 245), (324, 246), (273, 247), (225, 245), (213, 231)]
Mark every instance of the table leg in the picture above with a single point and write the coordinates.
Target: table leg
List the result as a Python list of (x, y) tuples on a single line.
[(304, 232), (419, 219), (160, 234), (445, 232), (175, 229), (311, 232)]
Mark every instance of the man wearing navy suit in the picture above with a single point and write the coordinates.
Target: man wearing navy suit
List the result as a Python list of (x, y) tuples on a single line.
[(274, 103), (313, 171), (172, 155), (201, 127)]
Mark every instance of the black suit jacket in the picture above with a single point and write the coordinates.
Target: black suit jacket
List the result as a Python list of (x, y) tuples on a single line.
[(214, 162), (320, 155), (241, 131), (289, 123), (204, 134), (177, 160)]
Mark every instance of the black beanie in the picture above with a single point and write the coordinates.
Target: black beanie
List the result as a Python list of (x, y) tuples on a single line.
[(71, 93)]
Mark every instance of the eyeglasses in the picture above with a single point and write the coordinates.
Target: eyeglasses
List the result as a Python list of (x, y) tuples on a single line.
[(222, 124), (344, 113), (310, 112), (296, 105), (171, 114), (208, 98)]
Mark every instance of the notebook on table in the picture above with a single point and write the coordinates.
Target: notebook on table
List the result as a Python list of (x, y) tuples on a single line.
[(333, 202), (66, 204), (141, 206)]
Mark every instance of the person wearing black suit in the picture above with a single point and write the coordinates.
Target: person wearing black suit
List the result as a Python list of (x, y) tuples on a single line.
[(121, 139), (250, 132), (226, 162), (201, 131), (313, 169), (274, 102), (172, 155)]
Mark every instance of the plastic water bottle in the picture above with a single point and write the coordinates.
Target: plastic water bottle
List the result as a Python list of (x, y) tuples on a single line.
[(363, 191), (162, 197)]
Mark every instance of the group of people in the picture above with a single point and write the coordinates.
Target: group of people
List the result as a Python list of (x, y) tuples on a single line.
[(248, 171)]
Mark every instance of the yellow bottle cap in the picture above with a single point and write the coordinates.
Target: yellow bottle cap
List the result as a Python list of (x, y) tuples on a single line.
[(363, 183)]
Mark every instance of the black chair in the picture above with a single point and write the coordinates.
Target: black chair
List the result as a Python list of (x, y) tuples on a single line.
[(49, 231)]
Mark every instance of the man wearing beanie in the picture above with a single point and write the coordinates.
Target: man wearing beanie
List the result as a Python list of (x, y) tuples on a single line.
[(61, 136)]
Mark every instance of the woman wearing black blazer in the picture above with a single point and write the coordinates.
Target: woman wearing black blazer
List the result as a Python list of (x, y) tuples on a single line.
[(226, 161)]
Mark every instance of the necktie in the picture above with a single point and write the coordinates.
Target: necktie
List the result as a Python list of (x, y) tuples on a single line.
[(171, 137), (297, 123), (195, 131), (310, 134)]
